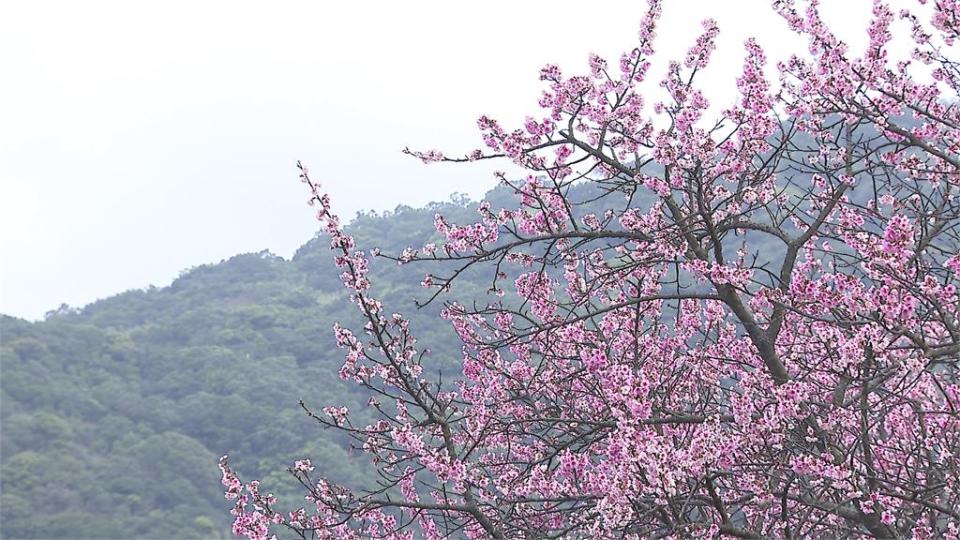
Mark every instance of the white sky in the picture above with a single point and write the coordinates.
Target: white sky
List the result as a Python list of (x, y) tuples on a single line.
[(138, 138)]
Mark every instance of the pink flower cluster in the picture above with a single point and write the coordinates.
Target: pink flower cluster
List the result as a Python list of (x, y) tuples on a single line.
[(748, 327)]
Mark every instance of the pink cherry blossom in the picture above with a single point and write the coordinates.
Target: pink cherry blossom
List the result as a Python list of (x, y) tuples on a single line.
[(749, 326)]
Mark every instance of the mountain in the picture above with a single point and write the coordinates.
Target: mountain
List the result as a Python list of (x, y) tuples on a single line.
[(112, 416)]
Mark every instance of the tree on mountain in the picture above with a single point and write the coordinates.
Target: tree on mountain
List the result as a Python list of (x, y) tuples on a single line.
[(658, 369)]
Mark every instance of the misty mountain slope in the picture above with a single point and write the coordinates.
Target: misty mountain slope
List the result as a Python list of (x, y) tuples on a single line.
[(113, 416)]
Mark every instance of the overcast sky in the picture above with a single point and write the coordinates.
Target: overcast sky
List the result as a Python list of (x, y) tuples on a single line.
[(138, 139)]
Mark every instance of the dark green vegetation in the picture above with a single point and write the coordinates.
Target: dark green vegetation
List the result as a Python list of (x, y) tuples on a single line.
[(113, 416)]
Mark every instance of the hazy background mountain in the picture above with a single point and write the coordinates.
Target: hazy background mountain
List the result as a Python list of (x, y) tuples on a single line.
[(113, 415)]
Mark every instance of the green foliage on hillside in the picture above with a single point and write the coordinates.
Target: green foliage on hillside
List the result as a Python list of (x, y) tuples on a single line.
[(113, 416)]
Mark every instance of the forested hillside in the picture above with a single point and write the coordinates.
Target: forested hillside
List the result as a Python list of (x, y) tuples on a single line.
[(114, 415)]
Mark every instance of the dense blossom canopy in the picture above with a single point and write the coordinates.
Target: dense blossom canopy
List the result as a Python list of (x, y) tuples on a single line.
[(757, 336)]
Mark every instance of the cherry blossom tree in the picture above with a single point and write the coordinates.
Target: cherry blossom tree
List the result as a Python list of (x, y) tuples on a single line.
[(757, 336)]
